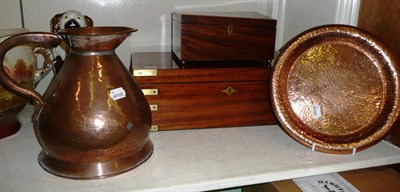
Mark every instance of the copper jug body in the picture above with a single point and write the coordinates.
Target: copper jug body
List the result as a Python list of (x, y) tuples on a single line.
[(93, 121)]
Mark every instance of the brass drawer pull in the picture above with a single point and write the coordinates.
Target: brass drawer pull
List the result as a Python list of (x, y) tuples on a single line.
[(229, 90), (154, 107)]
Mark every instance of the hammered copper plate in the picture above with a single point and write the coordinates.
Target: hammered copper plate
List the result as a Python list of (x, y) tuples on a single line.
[(335, 89)]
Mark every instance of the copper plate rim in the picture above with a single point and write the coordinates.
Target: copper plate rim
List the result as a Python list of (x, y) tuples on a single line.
[(293, 125)]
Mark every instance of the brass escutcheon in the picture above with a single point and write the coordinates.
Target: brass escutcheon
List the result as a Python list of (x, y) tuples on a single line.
[(229, 30), (229, 90)]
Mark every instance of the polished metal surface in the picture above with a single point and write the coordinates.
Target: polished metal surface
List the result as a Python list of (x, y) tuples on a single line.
[(335, 88), (93, 121), (77, 170)]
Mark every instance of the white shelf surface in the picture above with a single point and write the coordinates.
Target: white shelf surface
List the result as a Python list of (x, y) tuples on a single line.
[(190, 160)]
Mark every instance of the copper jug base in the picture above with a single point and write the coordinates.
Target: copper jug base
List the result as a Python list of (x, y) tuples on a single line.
[(94, 170)]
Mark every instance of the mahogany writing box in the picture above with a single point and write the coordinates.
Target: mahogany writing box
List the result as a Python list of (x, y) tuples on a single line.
[(187, 98)]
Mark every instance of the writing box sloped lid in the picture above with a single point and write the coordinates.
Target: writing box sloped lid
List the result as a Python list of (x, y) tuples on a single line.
[(165, 70)]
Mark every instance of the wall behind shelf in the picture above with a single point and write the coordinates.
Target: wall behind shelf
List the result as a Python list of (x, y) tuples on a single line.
[(152, 17)]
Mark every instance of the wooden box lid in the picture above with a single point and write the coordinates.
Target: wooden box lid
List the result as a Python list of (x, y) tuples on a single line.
[(223, 18), (158, 67)]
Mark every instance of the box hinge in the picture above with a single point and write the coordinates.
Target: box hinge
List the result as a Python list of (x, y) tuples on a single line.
[(154, 107)]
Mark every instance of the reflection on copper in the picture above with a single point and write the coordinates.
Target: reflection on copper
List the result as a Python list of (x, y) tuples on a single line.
[(100, 72), (99, 122), (100, 169), (336, 88), (78, 89)]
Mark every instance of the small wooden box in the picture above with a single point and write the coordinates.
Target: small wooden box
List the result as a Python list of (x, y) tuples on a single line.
[(230, 36), (187, 98)]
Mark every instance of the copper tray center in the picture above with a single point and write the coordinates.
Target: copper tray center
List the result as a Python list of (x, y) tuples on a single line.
[(334, 90)]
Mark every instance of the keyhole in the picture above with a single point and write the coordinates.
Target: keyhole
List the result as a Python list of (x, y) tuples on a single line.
[(230, 30)]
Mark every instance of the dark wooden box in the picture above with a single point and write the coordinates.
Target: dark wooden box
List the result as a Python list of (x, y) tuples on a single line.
[(231, 36), (188, 98)]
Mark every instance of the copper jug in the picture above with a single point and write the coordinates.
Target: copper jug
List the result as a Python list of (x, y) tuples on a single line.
[(93, 121)]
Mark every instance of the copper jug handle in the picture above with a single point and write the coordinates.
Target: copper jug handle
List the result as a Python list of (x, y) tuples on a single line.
[(46, 40)]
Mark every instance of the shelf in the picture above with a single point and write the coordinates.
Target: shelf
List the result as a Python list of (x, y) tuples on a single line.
[(190, 160)]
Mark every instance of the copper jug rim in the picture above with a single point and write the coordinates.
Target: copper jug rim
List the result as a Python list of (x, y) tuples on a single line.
[(98, 30)]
